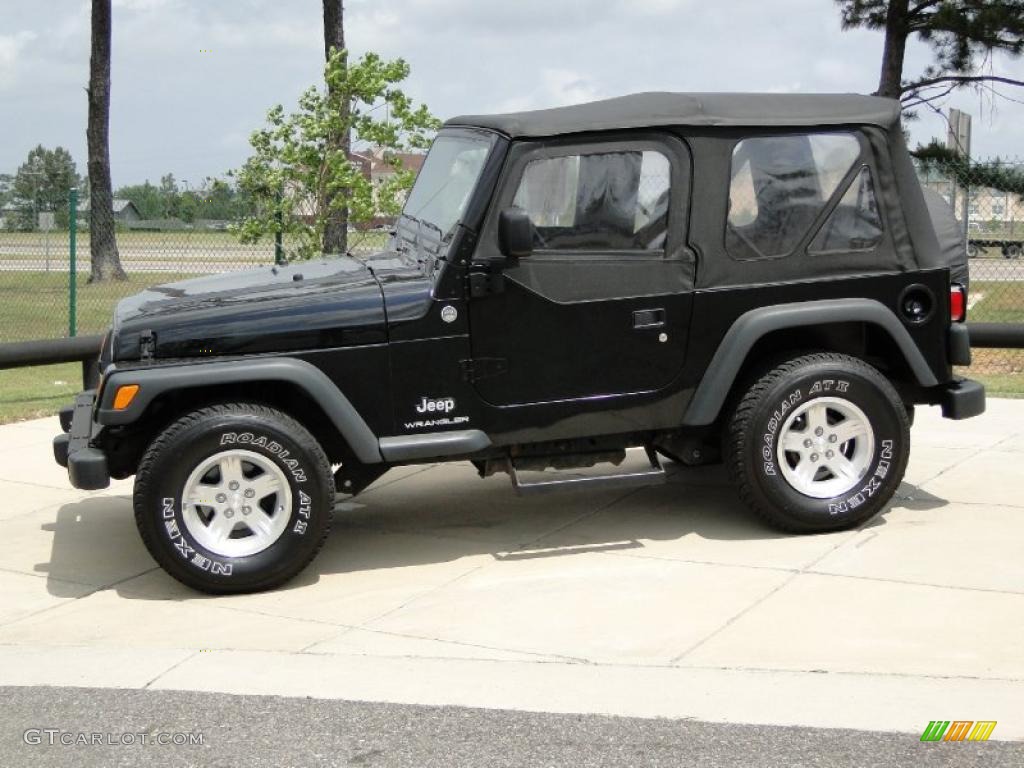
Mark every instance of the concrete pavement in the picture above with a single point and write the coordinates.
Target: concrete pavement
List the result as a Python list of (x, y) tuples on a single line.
[(437, 587)]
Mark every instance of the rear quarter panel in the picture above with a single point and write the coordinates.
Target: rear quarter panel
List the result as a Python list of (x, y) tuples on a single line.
[(715, 310)]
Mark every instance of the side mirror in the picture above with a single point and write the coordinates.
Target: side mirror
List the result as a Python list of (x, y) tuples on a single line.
[(515, 233)]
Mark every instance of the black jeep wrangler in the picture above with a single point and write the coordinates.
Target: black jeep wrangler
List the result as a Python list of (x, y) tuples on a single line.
[(758, 279)]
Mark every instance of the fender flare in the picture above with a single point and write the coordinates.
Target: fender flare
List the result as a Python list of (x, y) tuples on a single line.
[(157, 381), (751, 326)]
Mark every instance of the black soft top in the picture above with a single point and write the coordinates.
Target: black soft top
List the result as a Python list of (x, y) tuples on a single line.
[(694, 109)]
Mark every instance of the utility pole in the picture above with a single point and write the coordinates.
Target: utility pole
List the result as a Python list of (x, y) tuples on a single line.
[(36, 223), (958, 139)]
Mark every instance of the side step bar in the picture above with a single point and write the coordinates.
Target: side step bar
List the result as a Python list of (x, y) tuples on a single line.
[(653, 476)]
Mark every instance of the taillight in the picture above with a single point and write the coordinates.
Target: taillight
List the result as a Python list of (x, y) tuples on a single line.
[(957, 303)]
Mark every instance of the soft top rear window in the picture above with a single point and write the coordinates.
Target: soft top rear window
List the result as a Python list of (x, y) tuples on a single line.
[(779, 187)]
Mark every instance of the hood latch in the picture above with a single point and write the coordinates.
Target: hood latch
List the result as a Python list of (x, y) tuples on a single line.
[(147, 345)]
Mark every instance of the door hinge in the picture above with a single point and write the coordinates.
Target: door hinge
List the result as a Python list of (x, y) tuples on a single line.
[(485, 278), (483, 367)]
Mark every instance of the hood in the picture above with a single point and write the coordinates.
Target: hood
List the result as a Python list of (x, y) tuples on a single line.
[(333, 302)]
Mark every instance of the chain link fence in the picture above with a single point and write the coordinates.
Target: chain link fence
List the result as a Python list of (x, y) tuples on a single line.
[(988, 199), (37, 300), (36, 296)]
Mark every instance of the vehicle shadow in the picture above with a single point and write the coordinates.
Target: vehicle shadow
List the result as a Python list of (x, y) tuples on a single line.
[(434, 516)]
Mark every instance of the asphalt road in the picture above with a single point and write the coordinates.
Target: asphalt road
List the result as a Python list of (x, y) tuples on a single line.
[(257, 731)]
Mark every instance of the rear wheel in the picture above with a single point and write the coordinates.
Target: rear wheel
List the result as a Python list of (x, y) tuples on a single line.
[(234, 498), (818, 443)]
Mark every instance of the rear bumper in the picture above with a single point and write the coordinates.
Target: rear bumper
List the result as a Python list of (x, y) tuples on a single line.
[(962, 399), (959, 345), (86, 465)]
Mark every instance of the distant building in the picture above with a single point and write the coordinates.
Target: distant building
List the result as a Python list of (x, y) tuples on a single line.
[(379, 165), (993, 206), (124, 211), (382, 165), (25, 218)]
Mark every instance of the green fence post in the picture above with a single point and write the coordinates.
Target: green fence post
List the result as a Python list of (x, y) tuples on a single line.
[(72, 271), (278, 245)]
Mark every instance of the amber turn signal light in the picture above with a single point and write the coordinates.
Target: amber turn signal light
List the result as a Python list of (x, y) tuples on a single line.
[(124, 396)]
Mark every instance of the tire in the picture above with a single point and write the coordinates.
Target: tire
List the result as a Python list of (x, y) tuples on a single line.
[(825, 483), (262, 498)]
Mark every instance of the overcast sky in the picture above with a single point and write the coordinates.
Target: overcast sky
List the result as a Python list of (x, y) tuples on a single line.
[(192, 78)]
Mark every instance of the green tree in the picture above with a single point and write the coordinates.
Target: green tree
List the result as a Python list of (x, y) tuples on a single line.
[(170, 194), (186, 206), (42, 183), (6, 180), (962, 34), (219, 200), (298, 174), (146, 197)]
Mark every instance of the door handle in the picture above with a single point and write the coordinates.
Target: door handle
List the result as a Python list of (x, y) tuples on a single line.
[(648, 318)]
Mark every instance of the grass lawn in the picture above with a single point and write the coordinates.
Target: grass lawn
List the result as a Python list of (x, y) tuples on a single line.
[(31, 393), (997, 302), (197, 247), (34, 305), (999, 385)]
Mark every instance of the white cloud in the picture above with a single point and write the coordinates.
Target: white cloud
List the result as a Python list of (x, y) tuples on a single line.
[(564, 86), (11, 49), (176, 109), (141, 5), (654, 7), (557, 88)]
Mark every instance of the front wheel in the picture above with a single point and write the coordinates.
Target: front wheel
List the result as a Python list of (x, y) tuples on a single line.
[(819, 443), (234, 498)]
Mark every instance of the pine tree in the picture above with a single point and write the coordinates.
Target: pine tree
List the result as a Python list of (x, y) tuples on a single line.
[(962, 34), (1004, 177), (335, 237), (106, 262)]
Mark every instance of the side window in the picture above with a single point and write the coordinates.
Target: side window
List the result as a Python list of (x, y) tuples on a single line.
[(855, 224), (779, 186), (608, 201)]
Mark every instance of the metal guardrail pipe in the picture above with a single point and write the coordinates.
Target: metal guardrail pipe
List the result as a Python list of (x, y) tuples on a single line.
[(49, 351), (84, 349), (996, 335)]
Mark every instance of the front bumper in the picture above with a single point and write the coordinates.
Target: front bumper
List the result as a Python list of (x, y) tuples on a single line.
[(86, 465), (962, 399)]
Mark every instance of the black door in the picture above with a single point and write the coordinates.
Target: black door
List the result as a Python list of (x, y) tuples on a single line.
[(602, 306)]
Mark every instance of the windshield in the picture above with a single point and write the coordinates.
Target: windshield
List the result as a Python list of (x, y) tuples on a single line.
[(446, 180)]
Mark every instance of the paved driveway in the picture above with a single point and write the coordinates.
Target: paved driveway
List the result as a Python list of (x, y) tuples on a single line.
[(437, 587)]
